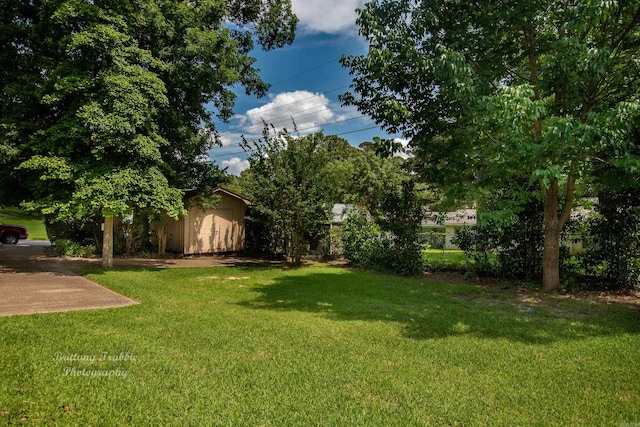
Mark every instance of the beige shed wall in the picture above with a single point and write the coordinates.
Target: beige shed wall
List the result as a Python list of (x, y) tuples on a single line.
[(175, 235), (210, 231)]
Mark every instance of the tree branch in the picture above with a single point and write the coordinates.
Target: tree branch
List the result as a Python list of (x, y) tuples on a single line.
[(634, 23)]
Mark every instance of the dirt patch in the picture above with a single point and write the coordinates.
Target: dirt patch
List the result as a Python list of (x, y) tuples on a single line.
[(527, 296), (166, 262), (630, 298)]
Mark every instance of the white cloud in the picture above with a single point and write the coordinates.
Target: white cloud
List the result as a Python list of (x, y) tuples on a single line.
[(407, 153), (308, 110), (327, 16), (229, 138), (235, 165)]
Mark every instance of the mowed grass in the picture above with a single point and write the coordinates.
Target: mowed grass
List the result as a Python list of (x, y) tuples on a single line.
[(320, 345), (449, 259), (455, 255), (35, 226)]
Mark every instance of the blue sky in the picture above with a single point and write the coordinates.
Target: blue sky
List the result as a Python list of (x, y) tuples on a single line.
[(306, 79)]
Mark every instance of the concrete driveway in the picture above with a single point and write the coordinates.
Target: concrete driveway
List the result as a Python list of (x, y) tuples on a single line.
[(32, 283)]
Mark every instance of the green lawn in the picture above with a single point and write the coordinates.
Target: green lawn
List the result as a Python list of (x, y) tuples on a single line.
[(325, 346), (35, 226), (449, 259)]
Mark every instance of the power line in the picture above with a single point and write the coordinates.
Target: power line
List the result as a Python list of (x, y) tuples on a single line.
[(294, 102), (288, 133), (358, 130), (296, 114), (233, 144), (305, 72), (314, 68)]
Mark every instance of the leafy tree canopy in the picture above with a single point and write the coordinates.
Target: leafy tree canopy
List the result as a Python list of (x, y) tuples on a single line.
[(488, 92), (110, 105), (289, 188)]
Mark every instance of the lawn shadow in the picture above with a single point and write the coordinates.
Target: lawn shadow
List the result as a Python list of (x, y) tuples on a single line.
[(83, 268), (429, 310)]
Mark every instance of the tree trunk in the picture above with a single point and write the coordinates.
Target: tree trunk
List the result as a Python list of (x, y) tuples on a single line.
[(297, 243), (107, 243), (551, 250), (553, 223), (161, 234), (551, 257)]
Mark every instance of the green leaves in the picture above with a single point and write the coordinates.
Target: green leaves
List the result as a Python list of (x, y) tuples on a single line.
[(115, 93), (119, 190), (288, 185), (547, 175), (493, 93), (524, 89), (49, 168)]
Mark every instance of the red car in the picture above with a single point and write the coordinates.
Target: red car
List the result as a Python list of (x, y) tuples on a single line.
[(10, 234)]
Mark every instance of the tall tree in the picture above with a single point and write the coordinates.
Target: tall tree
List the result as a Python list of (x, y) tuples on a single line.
[(488, 91), (289, 187), (119, 95)]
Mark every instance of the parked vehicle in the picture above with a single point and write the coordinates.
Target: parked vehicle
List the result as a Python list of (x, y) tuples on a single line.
[(10, 234)]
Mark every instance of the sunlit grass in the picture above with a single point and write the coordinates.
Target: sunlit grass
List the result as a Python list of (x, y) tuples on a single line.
[(35, 226), (441, 259), (320, 346)]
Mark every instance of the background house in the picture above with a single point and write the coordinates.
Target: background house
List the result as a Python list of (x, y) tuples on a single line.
[(339, 212), (211, 230), (438, 228)]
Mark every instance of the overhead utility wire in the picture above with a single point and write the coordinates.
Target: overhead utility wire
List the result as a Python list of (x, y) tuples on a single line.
[(306, 71), (314, 68), (253, 149), (296, 114), (293, 115), (294, 102), (233, 144)]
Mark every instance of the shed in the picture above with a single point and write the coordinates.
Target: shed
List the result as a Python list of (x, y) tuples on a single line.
[(339, 212), (211, 230)]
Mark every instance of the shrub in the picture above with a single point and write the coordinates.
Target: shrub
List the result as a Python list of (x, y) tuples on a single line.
[(74, 229), (362, 239), (439, 260), (262, 237), (509, 248), (390, 241), (612, 257), (65, 247)]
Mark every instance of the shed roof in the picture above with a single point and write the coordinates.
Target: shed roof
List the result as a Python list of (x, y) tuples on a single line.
[(232, 194), (193, 193), (340, 211)]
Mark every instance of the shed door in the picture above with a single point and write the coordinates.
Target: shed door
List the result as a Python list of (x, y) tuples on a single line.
[(224, 233), (201, 231), (211, 231)]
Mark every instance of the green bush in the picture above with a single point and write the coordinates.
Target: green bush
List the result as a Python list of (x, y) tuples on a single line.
[(447, 260), (65, 247), (612, 255), (388, 243), (509, 249), (362, 240), (79, 230)]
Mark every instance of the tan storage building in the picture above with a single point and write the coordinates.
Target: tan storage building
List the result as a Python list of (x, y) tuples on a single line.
[(216, 230)]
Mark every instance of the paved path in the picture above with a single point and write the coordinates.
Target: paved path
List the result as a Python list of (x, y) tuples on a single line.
[(32, 283)]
